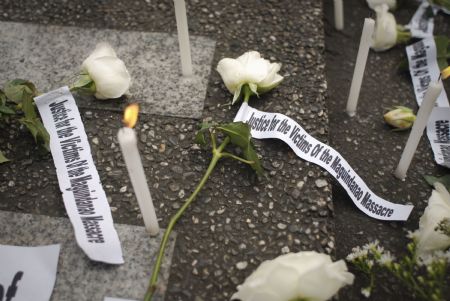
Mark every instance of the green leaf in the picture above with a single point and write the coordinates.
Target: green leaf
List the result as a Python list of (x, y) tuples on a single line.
[(6, 110), (443, 3), (254, 88), (28, 107), (442, 43), (237, 94), (38, 131), (239, 133), (3, 98), (83, 80), (18, 90), (200, 137), (251, 155), (3, 159), (445, 180), (84, 84)]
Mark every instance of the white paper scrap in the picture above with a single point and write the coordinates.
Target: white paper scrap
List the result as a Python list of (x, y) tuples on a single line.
[(422, 23), (438, 132), (423, 66), (28, 273), (83, 195), (273, 125)]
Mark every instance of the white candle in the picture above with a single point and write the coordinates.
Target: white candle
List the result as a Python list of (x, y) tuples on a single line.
[(128, 145), (361, 59), (183, 37), (433, 92), (338, 14)]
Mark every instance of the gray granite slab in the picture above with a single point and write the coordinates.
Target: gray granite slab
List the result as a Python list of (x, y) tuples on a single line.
[(80, 279), (50, 55)]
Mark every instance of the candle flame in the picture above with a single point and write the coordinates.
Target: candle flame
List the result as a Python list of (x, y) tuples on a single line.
[(130, 115), (445, 73)]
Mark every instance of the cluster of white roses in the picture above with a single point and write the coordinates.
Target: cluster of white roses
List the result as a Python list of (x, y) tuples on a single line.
[(387, 33)]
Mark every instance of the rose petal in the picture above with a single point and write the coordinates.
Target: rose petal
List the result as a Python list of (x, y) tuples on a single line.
[(110, 75), (385, 33), (249, 56), (231, 71), (374, 3), (256, 70), (438, 208), (305, 275), (101, 49)]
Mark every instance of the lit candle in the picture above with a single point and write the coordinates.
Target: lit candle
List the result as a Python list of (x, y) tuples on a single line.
[(183, 37), (338, 14), (361, 59), (434, 89), (128, 145)]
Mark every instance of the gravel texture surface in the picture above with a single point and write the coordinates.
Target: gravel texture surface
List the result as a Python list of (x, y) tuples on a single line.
[(370, 145), (238, 220)]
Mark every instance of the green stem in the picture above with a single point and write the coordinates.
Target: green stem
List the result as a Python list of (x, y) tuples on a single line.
[(238, 158), (372, 281), (213, 140), (403, 36), (217, 154), (247, 93)]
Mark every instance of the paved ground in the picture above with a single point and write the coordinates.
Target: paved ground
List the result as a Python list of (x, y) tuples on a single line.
[(368, 144), (238, 220)]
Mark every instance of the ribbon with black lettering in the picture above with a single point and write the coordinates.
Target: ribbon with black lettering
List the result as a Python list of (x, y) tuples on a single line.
[(438, 132), (422, 22), (424, 68), (273, 125), (83, 195)]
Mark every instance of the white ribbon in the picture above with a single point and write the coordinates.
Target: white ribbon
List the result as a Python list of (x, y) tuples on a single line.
[(273, 125), (422, 24), (83, 195), (423, 67)]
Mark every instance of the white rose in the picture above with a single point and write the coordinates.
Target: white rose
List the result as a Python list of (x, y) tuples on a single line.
[(249, 69), (308, 275), (385, 33), (392, 4), (429, 240), (108, 72)]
